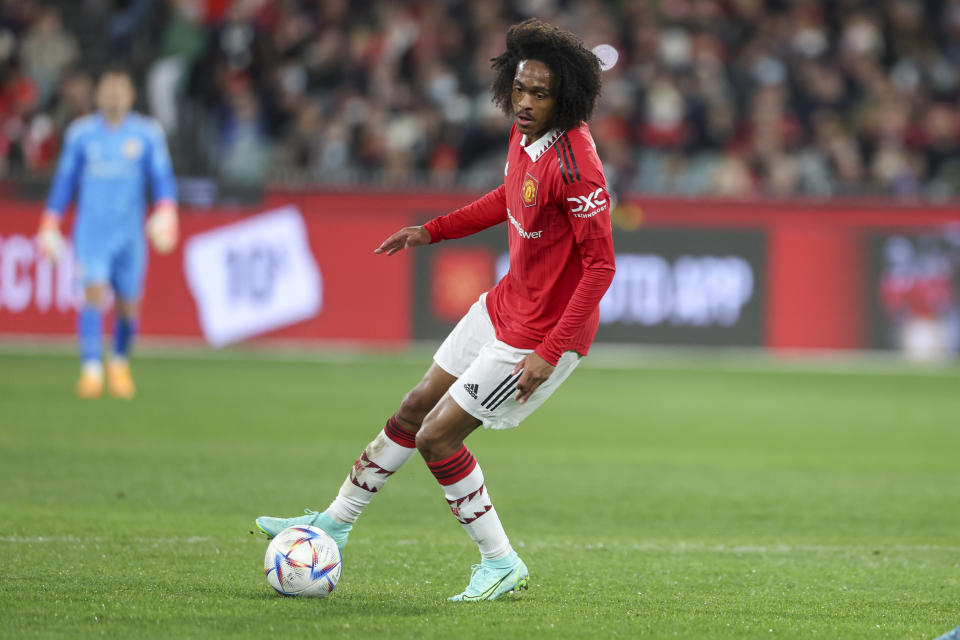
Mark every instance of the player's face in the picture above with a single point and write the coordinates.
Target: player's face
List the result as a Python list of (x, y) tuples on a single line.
[(534, 98), (115, 95)]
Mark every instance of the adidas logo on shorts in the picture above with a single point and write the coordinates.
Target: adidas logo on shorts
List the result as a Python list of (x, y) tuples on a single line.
[(472, 389)]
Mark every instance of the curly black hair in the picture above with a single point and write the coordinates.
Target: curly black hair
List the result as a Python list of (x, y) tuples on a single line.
[(576, 70)]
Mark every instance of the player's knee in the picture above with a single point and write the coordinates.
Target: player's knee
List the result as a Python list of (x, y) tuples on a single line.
[(414, 408), (95, 295), (435, 441), (429, 445), (127, 309)]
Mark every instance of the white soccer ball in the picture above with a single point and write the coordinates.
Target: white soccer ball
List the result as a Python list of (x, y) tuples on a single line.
[(303, 561)]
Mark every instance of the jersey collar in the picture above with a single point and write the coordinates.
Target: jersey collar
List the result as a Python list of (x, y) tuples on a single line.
[(102, 119), (538, 148)]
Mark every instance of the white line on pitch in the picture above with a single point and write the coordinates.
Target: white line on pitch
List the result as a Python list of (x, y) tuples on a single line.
[(656, 547)]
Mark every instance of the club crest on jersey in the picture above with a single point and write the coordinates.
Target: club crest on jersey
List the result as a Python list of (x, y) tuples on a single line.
[(528, 191), (132, 148)]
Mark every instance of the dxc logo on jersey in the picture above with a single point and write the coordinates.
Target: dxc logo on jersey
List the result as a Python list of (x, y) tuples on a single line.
[(590, 204)]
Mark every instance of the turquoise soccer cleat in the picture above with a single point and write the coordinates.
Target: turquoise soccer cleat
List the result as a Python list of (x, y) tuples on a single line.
[(951, 635), (492, 578), (336, 530)]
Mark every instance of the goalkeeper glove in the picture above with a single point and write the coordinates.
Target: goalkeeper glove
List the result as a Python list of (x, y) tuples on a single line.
[(49, 239), (163, 228)]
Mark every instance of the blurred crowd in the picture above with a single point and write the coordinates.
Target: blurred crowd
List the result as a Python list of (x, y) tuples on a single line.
[(721, 97)]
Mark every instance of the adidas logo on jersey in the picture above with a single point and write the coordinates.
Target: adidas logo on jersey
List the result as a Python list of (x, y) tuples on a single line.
[(472, 389)]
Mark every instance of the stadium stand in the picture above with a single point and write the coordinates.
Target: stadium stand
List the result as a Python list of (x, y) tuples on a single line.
[(710, 97)]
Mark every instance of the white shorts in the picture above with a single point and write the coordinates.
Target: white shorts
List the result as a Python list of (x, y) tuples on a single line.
[(485, 386)]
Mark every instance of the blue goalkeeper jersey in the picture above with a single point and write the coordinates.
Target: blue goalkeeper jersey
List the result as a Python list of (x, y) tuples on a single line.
[(110, 169)]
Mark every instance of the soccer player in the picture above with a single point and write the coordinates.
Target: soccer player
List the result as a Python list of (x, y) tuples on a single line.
[(521, 339), (109, 158)]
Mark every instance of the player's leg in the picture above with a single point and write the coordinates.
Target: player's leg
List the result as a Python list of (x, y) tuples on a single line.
[(90, 340), (391, 449), (126, 311), (440, 442), (483, 394), (395, 444), (93, 266), (119, 377), (128, 269), (379, 460)]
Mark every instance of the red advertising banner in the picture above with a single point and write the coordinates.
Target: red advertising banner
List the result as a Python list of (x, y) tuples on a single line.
[(817, 294), (364, 297), (302, 267)]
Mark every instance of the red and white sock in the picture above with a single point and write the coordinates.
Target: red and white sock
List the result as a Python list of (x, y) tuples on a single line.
[(467, 495), (389, 451)]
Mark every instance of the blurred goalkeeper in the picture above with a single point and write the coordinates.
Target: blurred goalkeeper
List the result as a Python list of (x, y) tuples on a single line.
[(109, 158), (521, 339)]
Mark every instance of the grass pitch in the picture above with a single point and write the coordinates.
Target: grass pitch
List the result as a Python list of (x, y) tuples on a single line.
[(690, 500)]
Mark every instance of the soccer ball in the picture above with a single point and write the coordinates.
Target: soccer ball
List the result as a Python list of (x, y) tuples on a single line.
[(303, 561)]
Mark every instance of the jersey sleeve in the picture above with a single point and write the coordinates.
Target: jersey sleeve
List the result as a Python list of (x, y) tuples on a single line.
[(68, 171), (586, 200), (480, 214), (163, 183), (587, 204)]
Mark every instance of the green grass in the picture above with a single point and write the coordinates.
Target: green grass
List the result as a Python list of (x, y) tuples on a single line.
[(689, 500)]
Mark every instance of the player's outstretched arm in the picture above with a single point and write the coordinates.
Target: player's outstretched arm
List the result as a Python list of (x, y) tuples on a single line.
[(49, 238), (480, 214), (406, 238)]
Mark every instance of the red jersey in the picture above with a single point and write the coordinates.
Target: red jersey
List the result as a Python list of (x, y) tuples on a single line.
[(555, 200)]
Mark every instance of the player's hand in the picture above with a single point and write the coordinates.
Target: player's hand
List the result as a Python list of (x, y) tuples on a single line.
[(163, 228), (535, 371), (49, 239), (406, 238)]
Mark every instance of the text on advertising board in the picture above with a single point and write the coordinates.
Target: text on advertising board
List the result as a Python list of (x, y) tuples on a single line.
[(253, 276), (27, 279), (689, 291)]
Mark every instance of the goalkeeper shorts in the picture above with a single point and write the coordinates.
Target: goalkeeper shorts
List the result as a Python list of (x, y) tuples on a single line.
[(122, 265)]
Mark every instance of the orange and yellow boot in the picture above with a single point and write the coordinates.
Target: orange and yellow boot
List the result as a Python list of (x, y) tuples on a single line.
[(90, 384), (119, 380)]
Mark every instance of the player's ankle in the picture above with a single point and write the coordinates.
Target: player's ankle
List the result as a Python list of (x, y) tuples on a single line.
[(338, 518), (92, 368), (503, 562)]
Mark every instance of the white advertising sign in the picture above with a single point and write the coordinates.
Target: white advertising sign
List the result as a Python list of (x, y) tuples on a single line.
[(29, 280), (253, 276), (689, 291)]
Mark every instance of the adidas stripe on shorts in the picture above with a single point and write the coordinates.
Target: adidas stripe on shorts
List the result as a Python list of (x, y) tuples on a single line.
[(486, 385)]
